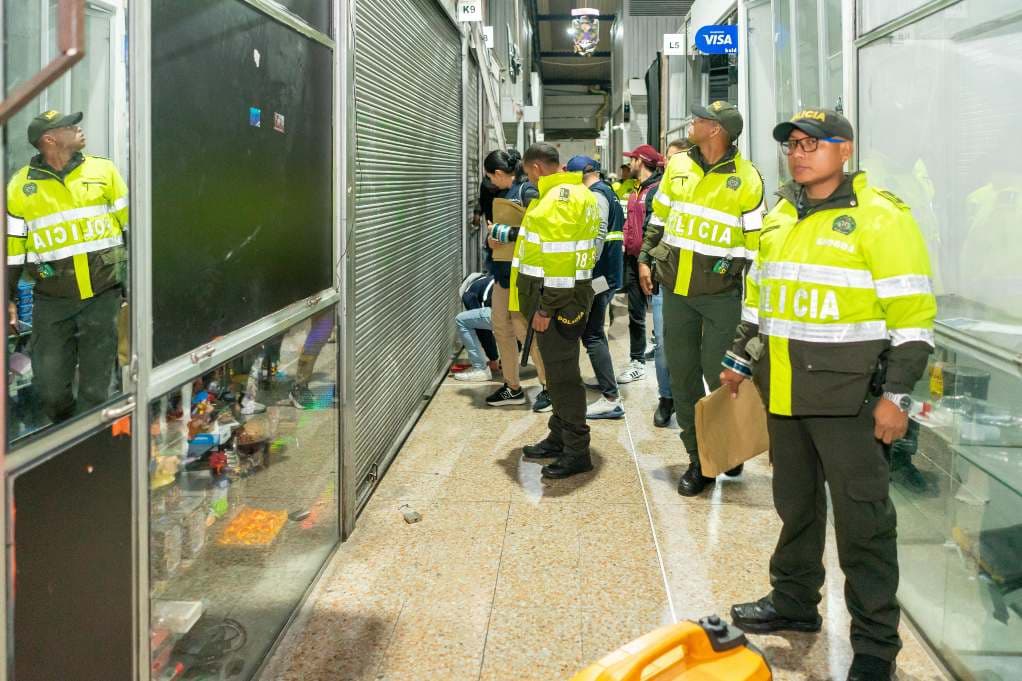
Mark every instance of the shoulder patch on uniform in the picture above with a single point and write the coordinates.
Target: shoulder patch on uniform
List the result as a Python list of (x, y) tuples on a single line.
[(890, 196), (30, 189), (734, 182), (564, 195), (844, 224)]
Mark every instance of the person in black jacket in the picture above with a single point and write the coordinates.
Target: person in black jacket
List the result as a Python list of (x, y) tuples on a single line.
[(607, 279)]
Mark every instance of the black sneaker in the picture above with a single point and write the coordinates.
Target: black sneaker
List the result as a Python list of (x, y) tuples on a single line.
[(301, 397), (760, 617), (544, 449), (870, 668), (506, 396), (650, 354), (542, 402)]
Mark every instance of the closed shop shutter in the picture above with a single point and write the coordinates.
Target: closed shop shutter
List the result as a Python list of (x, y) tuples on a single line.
[(473, 176), (409, 217)]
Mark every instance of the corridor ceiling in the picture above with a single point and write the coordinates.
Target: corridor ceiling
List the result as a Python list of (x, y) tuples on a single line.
[(558, 64)]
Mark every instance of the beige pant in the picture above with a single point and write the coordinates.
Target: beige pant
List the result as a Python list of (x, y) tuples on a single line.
[(508, 329)]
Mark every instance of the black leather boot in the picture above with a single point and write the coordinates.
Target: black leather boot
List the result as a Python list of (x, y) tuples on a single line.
[(569, 464), (870, 668), (544, 449), (736, 471), (662, 415), (693, 481)]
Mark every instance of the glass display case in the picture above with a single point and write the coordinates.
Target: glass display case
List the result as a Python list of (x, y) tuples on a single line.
[(957, 483), (243, 502)]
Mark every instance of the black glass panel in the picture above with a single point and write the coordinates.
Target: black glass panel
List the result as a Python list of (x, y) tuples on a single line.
[(315, 12), (242, 170), (73, 556)]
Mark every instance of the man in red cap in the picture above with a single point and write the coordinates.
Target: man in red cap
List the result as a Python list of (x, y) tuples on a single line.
[(646, 167)]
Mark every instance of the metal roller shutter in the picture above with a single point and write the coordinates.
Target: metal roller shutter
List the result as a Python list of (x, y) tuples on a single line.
[(409, 217), (473, 174)]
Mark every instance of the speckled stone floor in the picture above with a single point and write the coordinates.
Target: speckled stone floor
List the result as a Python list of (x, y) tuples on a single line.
[(509, 576)]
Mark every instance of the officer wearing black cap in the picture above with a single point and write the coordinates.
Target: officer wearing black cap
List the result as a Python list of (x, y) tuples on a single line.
[(837, 324), (66, 218), (708, 211)]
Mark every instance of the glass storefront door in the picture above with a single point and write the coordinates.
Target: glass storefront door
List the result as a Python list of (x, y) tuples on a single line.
[(68, 386)]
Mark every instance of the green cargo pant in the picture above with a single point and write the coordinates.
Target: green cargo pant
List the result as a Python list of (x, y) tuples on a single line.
[(697, 332), (568, 426), (70, 337), (841, 452)]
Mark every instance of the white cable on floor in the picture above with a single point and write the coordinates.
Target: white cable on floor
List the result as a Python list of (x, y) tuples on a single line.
[(652, 525)]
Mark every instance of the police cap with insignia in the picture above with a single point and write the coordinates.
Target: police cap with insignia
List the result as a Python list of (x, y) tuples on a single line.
[(50, 120), (725, 113), (818, 123)]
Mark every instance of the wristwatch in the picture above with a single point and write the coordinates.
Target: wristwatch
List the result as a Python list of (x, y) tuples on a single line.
[(902, 401)]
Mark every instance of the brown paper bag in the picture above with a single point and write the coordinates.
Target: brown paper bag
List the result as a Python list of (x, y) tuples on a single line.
[(730, 431), (507, 213)]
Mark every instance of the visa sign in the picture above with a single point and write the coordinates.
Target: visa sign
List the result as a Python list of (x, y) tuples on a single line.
[(721, 39)]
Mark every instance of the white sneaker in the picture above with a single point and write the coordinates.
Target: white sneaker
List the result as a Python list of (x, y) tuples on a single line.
[(634, 372), (250, 407), (474, 375), (605, 409)]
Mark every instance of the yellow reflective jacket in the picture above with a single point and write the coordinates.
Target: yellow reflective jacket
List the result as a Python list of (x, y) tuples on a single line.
[(556, 244), (68, 227), (703, 231), (835, 289)]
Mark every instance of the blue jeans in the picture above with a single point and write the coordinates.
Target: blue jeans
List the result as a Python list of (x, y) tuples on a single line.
[(663, 376), (468, 322)]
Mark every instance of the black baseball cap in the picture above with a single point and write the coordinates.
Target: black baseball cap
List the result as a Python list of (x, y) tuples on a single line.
[(725, 113), (50, 120), (818, 123)]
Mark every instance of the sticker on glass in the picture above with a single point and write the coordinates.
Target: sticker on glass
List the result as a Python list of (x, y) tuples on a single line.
[(255, 117), (278, 122)]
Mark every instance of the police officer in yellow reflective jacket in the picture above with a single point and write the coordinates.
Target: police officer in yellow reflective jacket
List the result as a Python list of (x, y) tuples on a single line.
[(707, 215), (551, 282), (67, 213), (836, 329)]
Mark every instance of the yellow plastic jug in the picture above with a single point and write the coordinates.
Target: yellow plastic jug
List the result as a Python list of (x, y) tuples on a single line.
[(709, 650)]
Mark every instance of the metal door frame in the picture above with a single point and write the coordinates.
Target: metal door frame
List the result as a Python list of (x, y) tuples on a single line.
[(154, 381)]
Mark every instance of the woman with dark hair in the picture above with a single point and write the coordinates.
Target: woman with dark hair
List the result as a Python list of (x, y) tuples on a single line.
[(504, 171)]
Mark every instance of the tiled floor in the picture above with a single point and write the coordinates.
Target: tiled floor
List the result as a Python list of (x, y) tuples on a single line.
[(509, 576)]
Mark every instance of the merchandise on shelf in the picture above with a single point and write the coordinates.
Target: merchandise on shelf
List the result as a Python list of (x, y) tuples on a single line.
[(253, 528)]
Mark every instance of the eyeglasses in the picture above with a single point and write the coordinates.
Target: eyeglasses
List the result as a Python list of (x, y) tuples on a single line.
[(807, 144)]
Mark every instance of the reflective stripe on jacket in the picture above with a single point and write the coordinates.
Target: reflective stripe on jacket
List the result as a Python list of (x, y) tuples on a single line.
[(711, 222), (68, 227), (557, 241), (834, 289)]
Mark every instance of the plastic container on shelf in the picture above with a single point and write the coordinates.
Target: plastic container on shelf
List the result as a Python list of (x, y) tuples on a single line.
[(164, 548), (193, 527), (176, 616)]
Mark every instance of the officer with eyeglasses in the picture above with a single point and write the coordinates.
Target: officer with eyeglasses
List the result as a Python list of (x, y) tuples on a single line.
[(837, 325)]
